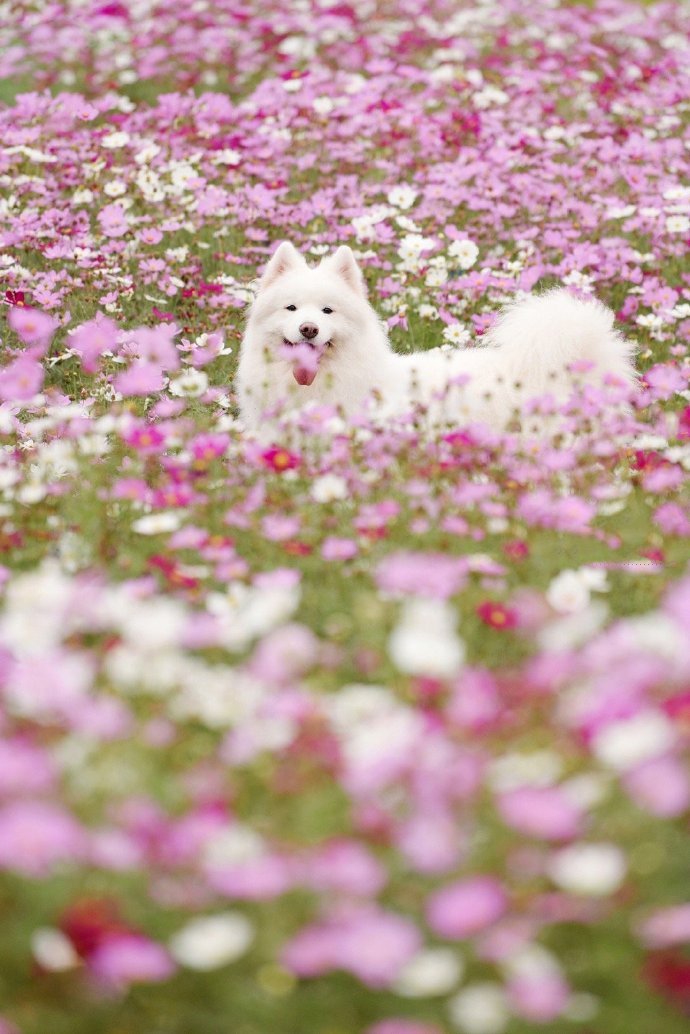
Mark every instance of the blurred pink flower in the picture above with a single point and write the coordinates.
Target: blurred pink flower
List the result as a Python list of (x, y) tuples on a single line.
[(666, 927), (140, 379), (463, 909), (36, 836), (124, 959), (92, 339), (545, 812), (31, 325), (660, 786), (368, 942), (539, 997), (20, 380)]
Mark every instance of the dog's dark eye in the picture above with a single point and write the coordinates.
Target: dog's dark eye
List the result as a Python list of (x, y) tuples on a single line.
[(291, 308), (327, 311)]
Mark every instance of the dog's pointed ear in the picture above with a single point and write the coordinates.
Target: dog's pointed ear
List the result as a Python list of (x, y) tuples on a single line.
[(284, 259), (344, 264)]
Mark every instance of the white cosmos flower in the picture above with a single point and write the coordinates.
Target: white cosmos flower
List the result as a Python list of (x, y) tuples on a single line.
[(228, 156), (629, 742), (53, 950), (425, 641), (328, 488), (427, 312), (480, 1009), (568, 592), (157, 523), (432, 971), (677, 224), (233, 846), (589, 869), (323, 105), (454, 334), (466, 252), (208, 942), (116, 188), (189, 384), (402, 197), (115, 140)]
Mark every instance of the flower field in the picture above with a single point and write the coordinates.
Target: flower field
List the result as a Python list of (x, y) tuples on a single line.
[(358, 729)]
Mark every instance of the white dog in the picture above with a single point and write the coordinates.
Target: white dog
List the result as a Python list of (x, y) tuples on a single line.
[(312, 336)]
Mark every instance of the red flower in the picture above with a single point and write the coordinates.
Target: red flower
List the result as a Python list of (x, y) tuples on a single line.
[(684, 425), (516, 550), (647, 459), (90, 922), (497, 615), (669, 973), (15, 298), (678, 709), (296, 548), (280, 459)]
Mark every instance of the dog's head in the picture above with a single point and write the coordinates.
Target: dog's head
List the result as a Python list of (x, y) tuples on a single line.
[(303, 314)]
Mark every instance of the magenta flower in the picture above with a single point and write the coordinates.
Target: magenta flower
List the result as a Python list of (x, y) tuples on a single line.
[(339, 549), (347, 867), (20, 380), (540, 997), (467, 907), (24, 768), (368, 942), (423, 574), (92, 339), (660, 786), (113, 221), (153, 345), (666, 927), (125, 959), (35, 837), (140, 379), (544, 812), (31, 325)]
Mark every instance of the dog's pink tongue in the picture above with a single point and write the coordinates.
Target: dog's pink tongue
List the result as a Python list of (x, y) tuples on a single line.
[(304, 375)]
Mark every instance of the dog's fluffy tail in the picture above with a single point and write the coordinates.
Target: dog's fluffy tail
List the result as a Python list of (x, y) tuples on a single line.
[(548, 333)]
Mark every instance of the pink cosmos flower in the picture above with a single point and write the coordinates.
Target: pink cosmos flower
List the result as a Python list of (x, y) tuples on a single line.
[(140, 379), (368, 942), (672, 519), (660, 786), (664, 380), (666, 927), (150, 235), (544, 812), (463, 909), (125, 959), (422, 574), (280, 527), (24, 768), (347, 867), (20, 380), (36, 836), (539, 997), (430, 841), (154, 345), (92, 339), (113, 221), (31, 325), (339, 549), (285, 654), (262, 879)]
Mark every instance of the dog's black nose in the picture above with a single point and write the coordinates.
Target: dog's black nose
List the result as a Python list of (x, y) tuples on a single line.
[(308, 330)]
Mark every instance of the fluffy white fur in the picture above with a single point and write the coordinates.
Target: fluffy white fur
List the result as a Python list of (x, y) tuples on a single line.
[(528, 353)]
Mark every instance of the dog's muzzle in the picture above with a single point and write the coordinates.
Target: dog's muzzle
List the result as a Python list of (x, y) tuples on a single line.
[(304, 357)]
